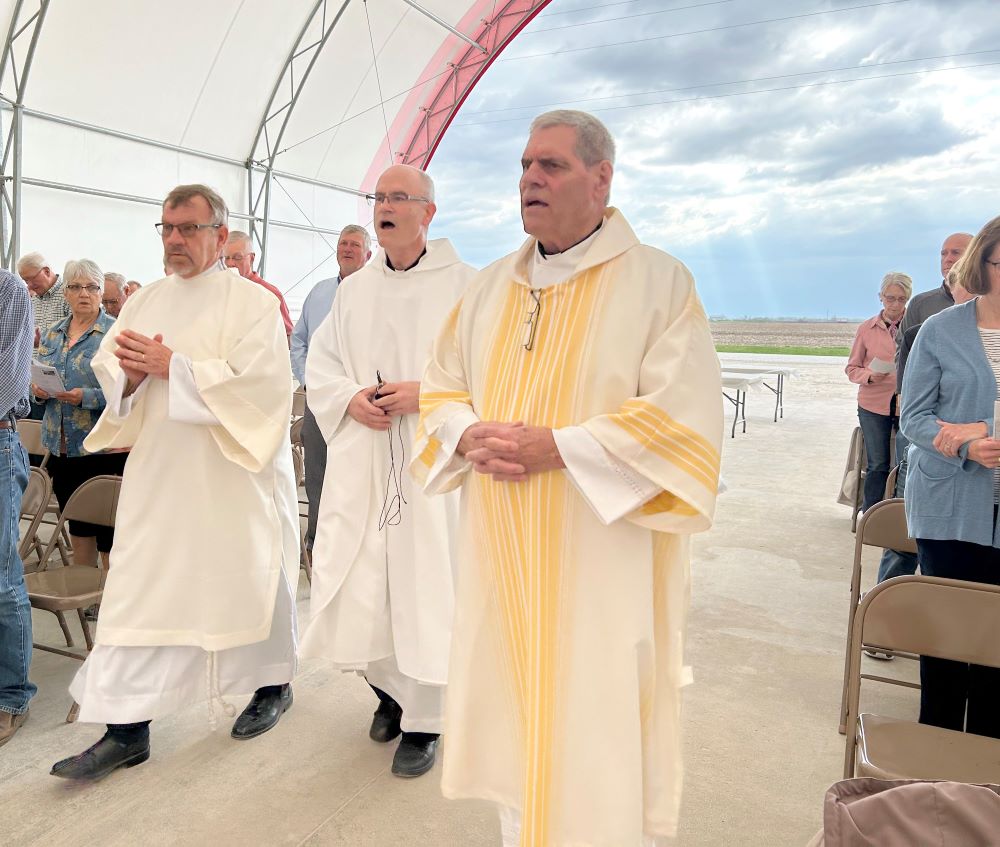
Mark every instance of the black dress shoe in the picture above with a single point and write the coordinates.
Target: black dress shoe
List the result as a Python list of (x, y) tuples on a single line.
[(385, 723), (105, 756), (264, 710), (415, 754)]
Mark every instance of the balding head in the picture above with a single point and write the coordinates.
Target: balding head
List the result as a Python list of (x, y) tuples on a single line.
[(401, 224), (952, 250)]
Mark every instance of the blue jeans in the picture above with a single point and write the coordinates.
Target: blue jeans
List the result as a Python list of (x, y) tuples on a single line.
[(15, 612), (877, 430), (893, 562)]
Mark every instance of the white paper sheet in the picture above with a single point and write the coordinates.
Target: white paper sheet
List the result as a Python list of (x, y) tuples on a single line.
[(881, 366), (46, 378)]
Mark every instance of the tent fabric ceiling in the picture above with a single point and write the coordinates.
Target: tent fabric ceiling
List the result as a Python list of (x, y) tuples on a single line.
[(373, 81)]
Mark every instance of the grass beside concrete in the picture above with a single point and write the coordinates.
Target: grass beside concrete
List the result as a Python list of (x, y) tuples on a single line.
[(784, 351)]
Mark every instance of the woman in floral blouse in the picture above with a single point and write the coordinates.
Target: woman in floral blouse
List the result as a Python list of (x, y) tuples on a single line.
[(69, 346)]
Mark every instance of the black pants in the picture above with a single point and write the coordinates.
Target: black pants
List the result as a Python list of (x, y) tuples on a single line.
[(948, 688), (69, 473)]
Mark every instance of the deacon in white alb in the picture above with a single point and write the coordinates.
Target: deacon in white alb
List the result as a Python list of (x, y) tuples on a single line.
[(199, 598), (382, 590), (575, 393)]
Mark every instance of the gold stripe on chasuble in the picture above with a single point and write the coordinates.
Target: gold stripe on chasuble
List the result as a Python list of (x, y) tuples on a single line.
[(524, 525), (669, 439)]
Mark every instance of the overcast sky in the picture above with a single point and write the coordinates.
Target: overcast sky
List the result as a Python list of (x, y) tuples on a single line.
[(790, 202)]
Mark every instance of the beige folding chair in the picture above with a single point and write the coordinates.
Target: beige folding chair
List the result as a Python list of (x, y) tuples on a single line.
[(30, 432), (33, 503), (883, 525), (70, 587), (860, 470), (945, 618), (298, 403), (890, 483), (305, 557)]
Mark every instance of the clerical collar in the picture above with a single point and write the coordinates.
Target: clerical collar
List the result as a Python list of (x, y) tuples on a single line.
[(389, 265), (545, 254)]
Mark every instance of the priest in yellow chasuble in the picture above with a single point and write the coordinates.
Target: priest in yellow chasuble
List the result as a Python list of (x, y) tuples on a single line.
[(199, 598), (574, 393)]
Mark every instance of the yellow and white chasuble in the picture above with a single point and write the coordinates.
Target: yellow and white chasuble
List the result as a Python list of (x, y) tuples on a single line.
[(567, 656), (382, 596), (206, 539)]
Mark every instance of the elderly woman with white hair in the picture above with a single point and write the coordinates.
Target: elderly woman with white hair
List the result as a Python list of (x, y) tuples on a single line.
[(872, 366), (69, 346)]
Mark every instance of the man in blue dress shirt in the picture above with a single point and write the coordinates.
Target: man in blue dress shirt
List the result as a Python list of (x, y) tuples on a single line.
[(354, 249)]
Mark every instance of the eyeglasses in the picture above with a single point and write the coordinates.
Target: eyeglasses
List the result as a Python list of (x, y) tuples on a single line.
[(186, 230), (394, 197), (237, 257), (90, 289), (531, 320), (887, 299), (111, 301)]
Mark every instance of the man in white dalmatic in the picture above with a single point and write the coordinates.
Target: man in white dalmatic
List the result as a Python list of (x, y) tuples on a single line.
[(199, 599), (382, 590)]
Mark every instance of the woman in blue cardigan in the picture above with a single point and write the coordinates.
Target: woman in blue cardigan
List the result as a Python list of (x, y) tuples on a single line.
[(953, 483)]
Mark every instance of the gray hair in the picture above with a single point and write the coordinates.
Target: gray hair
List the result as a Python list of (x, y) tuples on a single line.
[(87, 268), (897, 278), (240, 235), (186, 193), (33, 260), (117, 279), (365, 235), (593, 141)]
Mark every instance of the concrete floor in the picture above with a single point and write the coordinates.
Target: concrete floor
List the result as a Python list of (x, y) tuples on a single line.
[(766, 641)]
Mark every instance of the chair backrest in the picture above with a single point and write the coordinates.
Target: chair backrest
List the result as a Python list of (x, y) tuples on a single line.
[(946, 618), (295, 432), (30, 432), (884, 525), (298, 468), (298, 403), (890, 482), (95, 501)]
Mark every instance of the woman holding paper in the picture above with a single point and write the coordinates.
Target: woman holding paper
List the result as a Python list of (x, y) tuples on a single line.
[(71, 413), (872, 367), (953, 483)]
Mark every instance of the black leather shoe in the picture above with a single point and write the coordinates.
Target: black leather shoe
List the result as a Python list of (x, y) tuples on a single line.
[(385, 723), (415, 754), (105, 756), (264, 710)]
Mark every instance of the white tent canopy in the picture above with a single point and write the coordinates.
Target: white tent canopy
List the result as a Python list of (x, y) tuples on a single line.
[(289, 109)]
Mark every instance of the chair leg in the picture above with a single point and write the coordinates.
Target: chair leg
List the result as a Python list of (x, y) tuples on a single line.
[(74, 710), (307, 563), (65, 628), (85, 626)]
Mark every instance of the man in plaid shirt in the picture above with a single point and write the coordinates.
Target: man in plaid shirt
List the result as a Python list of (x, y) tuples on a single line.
[(17, 331)]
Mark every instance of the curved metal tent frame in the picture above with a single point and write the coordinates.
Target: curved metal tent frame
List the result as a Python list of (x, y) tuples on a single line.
[(342, 89)]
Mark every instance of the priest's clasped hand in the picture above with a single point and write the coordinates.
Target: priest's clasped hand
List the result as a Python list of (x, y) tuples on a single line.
[(510, 452), (365, 413), (399, 398), (141, 356)]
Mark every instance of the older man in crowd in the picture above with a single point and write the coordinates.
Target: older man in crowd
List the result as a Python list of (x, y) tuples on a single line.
[(17, 330), (920, 308), (239, 254), (131, 287), (47, 289), (115, 293), (199, 600), (354, 249), (382, 593), (575, 393)]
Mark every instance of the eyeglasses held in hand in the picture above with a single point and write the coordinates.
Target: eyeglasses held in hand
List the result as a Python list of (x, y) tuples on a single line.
[(90, 289), (186, 230), (531, 321), (393, 198)]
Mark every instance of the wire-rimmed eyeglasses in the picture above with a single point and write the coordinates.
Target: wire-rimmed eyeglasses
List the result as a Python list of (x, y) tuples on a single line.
[(531, 320), (186, 230), (394, 198)]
